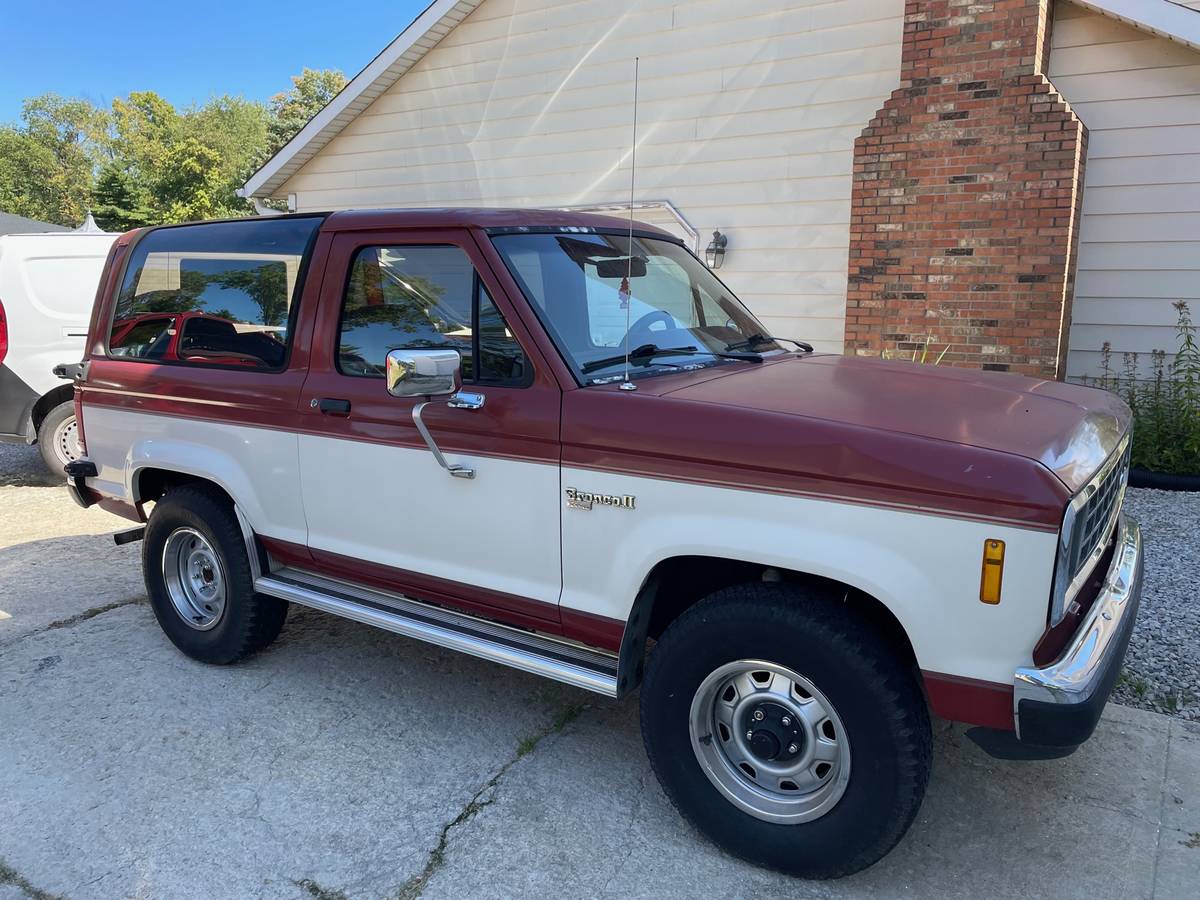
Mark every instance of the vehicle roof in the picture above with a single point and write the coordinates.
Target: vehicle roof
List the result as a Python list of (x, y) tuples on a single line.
[(481, 217), (488, 218)]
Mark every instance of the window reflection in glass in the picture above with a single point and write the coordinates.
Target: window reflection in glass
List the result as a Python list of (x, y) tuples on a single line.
[(213, 294), (597, 293), (423, 297)]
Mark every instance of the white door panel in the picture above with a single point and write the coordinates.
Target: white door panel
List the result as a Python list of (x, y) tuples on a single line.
[(395, 506)]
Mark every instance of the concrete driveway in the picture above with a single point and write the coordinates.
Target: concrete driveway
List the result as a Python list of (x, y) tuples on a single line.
[(345, 762)]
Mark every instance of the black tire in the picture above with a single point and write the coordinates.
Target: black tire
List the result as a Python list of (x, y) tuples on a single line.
[(249, 621), (46, 436), (872, 688)]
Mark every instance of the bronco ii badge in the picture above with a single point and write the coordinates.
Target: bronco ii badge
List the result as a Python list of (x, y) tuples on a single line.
[(584, 500)]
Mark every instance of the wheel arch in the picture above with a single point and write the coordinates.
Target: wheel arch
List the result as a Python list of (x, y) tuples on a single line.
[(64, 393), (157, 462), (151, 482), (677, 583)]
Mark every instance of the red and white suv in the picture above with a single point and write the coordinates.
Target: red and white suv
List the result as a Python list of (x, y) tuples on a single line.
[(558, 442)]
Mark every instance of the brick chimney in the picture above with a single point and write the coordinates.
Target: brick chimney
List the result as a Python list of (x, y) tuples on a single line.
[(967, 187)]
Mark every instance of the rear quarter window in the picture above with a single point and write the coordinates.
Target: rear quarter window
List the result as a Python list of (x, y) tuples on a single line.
[(213, 294)]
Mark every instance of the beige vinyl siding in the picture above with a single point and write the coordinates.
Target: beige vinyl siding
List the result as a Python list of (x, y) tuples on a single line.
[(747, 118), (1139, 242)]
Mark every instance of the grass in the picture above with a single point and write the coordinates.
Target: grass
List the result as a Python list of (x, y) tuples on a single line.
[(11, 877), (1171, 701), (319, 893), (1166, 406), (1136, 684)]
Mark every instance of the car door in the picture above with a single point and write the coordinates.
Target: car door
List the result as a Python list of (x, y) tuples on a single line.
[(380, 508)]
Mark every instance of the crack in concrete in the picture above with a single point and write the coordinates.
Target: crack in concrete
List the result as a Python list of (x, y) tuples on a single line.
[(634, 809), (415, 886), (1162, 811), (320, 893), (10, 876), (76, 619)]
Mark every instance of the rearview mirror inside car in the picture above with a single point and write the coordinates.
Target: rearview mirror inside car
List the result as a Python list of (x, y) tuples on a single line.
[(621, 267)]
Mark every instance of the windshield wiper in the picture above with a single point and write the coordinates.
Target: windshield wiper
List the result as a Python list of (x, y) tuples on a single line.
[(643, 352), (646, 352), (755, 339)]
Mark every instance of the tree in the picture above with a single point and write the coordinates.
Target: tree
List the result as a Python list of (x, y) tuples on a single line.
[(144, 126), (311, 91), (265, 284), (28, 172), (47, 162), (147, 162), (238, 131), (189, 186), (181, 165), (119, 203)]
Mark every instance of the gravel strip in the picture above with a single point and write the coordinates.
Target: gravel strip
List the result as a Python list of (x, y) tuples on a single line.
[(1162, 667)]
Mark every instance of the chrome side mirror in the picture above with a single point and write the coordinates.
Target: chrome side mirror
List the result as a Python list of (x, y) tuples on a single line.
[(423, 373)]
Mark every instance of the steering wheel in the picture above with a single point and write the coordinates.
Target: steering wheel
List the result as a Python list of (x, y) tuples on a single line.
[(642, 327)]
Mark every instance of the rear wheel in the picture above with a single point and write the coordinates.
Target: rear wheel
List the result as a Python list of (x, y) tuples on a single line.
[(58, 438), (787, 730), (199, 580)]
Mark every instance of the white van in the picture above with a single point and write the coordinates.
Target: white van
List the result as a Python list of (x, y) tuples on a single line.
[(47, 285)]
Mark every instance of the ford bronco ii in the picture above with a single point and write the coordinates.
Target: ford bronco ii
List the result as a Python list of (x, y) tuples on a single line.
[(557, 441)]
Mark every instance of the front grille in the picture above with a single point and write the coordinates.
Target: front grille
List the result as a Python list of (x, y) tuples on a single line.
[(1094, 519)]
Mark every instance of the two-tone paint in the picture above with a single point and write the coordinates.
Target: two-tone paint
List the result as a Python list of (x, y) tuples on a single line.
[(886, 478)]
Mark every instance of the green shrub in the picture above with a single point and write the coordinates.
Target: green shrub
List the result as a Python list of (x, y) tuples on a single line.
[(1166, 406)]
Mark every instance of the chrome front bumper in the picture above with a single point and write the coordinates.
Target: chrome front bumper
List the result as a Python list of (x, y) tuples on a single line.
[(1060, 704)]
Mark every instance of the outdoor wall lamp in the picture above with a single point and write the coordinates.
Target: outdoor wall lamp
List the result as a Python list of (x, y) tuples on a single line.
[(714, 254)]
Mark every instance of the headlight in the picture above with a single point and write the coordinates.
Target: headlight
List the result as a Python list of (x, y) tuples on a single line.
[(1088, 524), (1062, 566)]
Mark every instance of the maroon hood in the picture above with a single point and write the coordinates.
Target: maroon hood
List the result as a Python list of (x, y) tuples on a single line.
[(984, 445), (1068, 428)]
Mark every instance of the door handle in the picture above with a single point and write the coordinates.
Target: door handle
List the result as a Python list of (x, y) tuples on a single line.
[(332, 406), (466, 400)]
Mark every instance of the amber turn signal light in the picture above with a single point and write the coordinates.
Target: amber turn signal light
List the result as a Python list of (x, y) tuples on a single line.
[(993, 571)]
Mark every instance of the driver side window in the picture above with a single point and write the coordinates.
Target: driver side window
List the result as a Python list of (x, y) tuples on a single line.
[(424, 297)]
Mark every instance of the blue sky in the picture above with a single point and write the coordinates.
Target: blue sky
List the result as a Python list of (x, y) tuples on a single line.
[(185, 51)]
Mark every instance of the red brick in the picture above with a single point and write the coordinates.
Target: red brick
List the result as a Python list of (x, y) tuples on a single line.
[(1024, 152)]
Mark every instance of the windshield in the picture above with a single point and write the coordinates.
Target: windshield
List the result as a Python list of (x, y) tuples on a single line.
[(676, 313)]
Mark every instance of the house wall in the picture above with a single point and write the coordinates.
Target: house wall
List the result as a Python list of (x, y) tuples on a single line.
[(747, 119), (1139, 245)]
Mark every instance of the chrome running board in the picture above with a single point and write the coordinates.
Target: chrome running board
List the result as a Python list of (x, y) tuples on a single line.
[(524, 650)]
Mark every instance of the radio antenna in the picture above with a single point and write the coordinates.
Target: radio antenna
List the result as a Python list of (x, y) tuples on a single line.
[(626, 291)]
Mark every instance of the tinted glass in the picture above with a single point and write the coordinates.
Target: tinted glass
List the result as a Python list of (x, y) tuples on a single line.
[(596, 302), (500, 358), (423, 297), (217, 293)]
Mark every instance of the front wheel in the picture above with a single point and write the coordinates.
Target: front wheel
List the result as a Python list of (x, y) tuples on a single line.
[(787, 730)]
